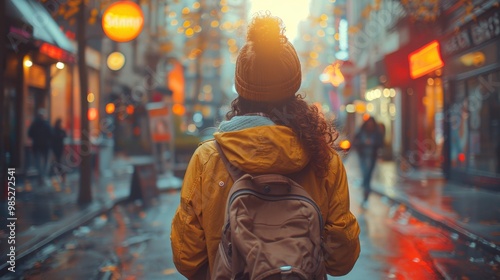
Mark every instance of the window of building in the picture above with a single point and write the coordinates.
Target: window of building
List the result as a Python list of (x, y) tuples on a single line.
[(475, 124), (458, 126), (484, 123)]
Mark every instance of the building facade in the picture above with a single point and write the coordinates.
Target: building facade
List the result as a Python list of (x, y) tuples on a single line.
[(470, 47), (441, 77), (39, 55)]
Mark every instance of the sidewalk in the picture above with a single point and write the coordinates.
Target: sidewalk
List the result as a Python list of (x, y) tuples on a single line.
[(470, 213), (46, 213)]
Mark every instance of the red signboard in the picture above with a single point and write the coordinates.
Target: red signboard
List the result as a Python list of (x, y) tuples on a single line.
[(56, 53)]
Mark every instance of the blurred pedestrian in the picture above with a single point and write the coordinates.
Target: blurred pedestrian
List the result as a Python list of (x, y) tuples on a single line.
[(58, 135), (367, 142), (269, 129), (40, 133)]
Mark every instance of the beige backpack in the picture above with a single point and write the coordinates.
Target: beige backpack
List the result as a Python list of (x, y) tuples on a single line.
[(272, 230)]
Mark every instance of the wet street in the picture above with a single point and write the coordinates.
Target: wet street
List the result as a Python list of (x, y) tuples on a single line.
[(132, 242)]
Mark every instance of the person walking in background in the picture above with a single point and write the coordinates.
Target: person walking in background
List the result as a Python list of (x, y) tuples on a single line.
[(366, 143), (40, 133), (58, 135), (269, 129)]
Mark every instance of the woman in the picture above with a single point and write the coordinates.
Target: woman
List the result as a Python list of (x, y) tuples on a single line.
[(367, 142), (58, 135), (269, 129)]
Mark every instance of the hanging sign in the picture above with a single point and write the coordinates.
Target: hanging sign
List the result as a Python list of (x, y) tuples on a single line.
[(123, 21), (425, 60)]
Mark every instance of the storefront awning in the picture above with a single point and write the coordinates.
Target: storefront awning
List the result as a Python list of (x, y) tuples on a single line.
[(46, 32), (397, 66)]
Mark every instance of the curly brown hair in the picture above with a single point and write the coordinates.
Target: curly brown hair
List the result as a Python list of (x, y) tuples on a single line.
[(315, 133)]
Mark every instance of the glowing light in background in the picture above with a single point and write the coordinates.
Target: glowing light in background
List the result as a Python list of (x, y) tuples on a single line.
[(90, 97), (110, 108), (291, 12), (461, 157), (178, 109), (345, 145), (28, 63), (192, 128), (130, 109), (332, 74), (92, 114), (115, 61), (366, 116), (342, 37)]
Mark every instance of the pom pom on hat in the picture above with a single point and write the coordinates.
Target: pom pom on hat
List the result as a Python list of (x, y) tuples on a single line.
[(267, 68)]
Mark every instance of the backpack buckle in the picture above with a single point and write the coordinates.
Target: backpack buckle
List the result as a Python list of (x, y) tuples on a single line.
[(286, 271)]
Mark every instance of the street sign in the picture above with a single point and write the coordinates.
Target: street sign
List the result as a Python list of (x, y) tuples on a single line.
[(160, 122), (123, 21), (161, 129)]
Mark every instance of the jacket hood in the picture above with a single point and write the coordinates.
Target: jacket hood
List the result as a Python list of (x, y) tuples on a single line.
[(263, 149)]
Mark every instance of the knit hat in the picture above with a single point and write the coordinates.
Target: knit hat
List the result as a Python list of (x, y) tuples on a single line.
[(267, 68)]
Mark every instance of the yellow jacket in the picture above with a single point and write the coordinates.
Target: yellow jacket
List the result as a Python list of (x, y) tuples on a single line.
[(197, 225)]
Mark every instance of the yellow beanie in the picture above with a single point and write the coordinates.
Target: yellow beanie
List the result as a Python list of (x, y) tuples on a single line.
[(267, 68)]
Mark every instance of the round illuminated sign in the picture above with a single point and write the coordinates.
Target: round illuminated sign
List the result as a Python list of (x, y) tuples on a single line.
[(115, 61), (123, 21)]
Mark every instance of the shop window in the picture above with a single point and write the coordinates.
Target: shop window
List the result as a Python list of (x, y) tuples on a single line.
[(458, 116), (433, 120), (484, 123), (485, 56)]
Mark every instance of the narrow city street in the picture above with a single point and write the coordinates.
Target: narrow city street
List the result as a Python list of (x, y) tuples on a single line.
[(105, 103)]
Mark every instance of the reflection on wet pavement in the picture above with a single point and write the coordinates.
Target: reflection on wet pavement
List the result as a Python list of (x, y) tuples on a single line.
[(458, 207), (391, 242)]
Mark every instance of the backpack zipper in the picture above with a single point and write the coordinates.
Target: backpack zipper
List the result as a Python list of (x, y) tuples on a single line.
[(272, 198)]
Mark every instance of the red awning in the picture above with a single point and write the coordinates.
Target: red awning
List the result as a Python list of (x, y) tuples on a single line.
[(398, 68)]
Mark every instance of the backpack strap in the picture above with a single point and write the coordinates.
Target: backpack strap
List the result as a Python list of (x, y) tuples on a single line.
[(234, 171)]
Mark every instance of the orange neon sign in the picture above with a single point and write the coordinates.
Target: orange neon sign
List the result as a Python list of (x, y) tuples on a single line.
[(123, 21), (425, 60)]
